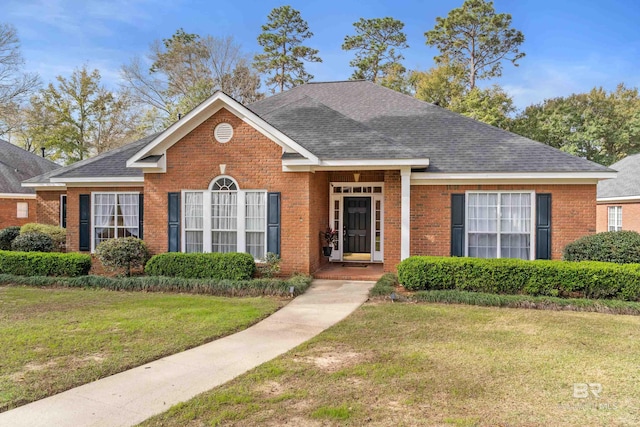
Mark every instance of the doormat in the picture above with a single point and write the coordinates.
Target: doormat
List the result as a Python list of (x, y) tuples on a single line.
[(355, 265)]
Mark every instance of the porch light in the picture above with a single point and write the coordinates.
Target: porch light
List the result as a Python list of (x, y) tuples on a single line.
[(356, 177)]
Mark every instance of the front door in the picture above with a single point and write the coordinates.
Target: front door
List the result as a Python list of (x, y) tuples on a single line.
[(357, 228)]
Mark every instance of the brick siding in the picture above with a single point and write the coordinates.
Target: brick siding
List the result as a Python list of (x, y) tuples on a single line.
[(630, 216), (9, 212)]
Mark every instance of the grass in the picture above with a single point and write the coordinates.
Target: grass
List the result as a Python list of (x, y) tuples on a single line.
[(433, 364), (56, 339)]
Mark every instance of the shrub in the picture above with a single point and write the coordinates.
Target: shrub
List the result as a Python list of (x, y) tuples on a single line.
[(7, 236), (588, 279), (57, 234), (271, 265), (228, 288), (123, 254), (33, 242), (622, 247), (229, 266), (44, 264)]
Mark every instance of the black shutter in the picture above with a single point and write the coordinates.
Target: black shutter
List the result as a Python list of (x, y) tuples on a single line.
[(174, 222), (273, 223), (63, 211), (457, 224), (543, 226), (141, 216), (85, 222)]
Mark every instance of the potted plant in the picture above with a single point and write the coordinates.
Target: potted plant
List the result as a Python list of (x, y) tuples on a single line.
[(330, 238)]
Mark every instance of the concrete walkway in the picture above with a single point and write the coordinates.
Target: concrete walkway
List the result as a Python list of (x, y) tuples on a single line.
[(132, 396)]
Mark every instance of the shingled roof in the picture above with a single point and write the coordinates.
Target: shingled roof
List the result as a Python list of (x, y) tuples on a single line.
[(354, 120), (452, 142), (626, 184), (17, 164)]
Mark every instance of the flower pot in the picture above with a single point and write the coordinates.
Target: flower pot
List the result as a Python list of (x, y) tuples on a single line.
[(326, 250)]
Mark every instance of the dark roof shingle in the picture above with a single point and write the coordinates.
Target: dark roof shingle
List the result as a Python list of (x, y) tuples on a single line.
[(626, 183), (17, 164)]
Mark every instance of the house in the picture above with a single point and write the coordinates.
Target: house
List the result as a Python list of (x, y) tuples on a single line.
[(619, 199), (396, 176), (18, 204)]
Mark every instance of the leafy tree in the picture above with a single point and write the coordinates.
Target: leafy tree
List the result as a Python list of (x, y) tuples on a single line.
[(375, 43), (600, 126), (185, 70), (397, 78), (444, 85), (82, 117), (15, 85), (284, 53), (476, 38)]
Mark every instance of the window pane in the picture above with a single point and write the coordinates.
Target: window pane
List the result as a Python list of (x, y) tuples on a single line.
[(483, 212), (255, 244), (255, 211), (515, 212), (223, 241), (193, 211), (224, 210), (515, 246), (483, 245), (193, 241)]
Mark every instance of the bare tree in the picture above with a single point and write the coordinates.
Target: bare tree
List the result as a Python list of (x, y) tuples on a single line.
[(15, 84)]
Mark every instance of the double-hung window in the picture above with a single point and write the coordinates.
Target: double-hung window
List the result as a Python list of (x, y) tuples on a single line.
[(225, 219), (115, 215), (615, 218), (499, 225)]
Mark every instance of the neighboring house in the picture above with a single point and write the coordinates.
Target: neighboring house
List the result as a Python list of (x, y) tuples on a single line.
[(619, 198), (18, 204), (397, 177)]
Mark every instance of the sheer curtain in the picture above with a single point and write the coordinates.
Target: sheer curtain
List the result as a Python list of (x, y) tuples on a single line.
[(104, 206), (483, 225), (193, 221), (224, 221), (515, 225), (255, 214), (128, 204)]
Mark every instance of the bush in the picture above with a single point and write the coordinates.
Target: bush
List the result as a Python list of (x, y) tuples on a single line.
[(33, 242), (44, 264), (587, 279), (123, 254), (228, 288), (229, 266), (271, 265), (622, 247), (7, 236), (385, 285), (57, 234)]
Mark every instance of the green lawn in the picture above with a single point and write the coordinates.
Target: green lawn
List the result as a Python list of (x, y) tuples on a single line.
[(55, 339), (430, 364)]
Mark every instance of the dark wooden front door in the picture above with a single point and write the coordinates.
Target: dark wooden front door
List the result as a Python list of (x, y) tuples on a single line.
[(357, 225)]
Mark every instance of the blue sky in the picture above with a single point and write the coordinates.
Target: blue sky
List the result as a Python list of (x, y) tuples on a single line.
[(571, 45)]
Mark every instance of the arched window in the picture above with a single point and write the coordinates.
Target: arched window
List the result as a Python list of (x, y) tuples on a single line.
[(225, 219)]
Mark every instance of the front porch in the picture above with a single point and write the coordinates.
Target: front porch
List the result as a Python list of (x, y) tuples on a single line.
[(350, 271)]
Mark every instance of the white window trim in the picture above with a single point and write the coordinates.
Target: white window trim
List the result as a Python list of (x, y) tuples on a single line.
[(616, 226), (532, 239), (241, 229), (93, 222), (26, 210)]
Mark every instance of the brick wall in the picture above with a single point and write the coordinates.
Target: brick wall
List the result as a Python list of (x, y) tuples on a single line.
[(392, 219), (73, 211), (255, 163), (630, 216), (48, 207), (9, 211), (573, 214)]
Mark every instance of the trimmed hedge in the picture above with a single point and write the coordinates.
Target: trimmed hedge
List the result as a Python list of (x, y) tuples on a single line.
[(33, 242), (588, 279), (121, 255), (229, 266), (622, 247), (7, 236), (57, 234), (44, 264), (228, 288)]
